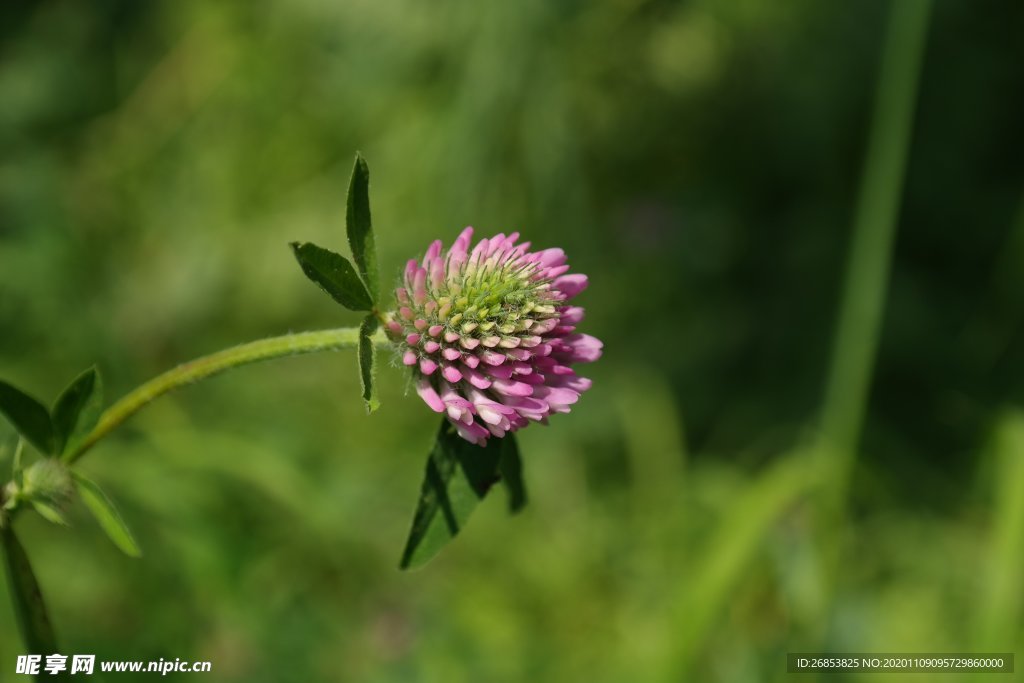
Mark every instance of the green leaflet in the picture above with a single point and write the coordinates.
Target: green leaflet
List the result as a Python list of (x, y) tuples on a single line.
[(29, 417), (368, 362), (334, 274), (77, 410), (106, 514), (360, 228), (48, 511)]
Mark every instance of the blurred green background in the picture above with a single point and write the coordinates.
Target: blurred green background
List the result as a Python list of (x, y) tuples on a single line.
[(702, 161)]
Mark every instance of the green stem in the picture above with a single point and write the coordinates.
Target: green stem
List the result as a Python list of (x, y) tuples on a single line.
[(29, 607), (207, 366)]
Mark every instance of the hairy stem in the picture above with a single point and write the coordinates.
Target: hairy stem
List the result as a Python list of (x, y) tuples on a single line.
[(207, 366)]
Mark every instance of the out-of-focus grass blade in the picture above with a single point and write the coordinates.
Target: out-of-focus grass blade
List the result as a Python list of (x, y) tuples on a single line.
[(29, 417), (999, 604), (368, 363), (734, 543), (29, 607), (874, 229), (360, 227), (106, 514), (458, 476), (653, 436)]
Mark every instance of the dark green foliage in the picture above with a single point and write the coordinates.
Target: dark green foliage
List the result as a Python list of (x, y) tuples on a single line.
[(510, 468), (458, 476), (368, 362)]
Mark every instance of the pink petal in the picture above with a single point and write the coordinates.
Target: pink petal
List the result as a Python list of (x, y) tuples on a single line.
[(501, 371), (551, 257), (471, 432), (492, 357), (430, 396), (583, 348), (511, 387), (519, 354), (476, 378), (571, 285), (451, 373)]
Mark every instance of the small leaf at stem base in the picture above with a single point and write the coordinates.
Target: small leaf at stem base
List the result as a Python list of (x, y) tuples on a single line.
[(106, 514)]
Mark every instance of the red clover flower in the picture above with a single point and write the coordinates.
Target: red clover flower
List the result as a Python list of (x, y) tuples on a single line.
[(490, 335)]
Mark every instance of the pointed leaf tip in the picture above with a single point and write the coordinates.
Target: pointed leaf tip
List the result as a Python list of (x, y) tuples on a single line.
[(359, 226), (334, 274), (106, 514)]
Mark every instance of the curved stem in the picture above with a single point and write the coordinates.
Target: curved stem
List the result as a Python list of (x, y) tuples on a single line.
[(207, 366)]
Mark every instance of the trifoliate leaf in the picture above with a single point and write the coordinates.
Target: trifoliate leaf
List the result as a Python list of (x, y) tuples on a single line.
[(29, 417), (106, 514), (334, 274), (360, 227), (77, 410)]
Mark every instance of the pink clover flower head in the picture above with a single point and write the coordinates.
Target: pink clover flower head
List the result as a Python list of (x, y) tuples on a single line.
[(489, 331)]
